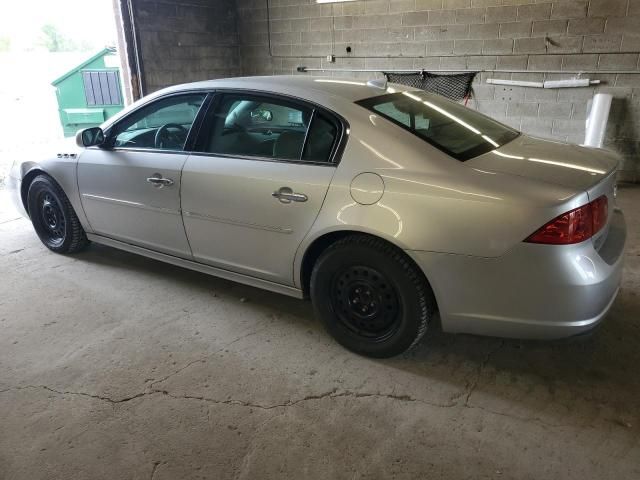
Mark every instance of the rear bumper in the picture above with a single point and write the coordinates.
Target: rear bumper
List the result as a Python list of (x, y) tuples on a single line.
[(533, 291)]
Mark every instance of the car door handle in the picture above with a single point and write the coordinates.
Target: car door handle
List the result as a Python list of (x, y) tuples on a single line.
[(286, 195), (159, 181)]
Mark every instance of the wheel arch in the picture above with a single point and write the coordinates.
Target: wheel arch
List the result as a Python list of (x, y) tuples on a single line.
[(319, 244), (26, 183), (63, 174)]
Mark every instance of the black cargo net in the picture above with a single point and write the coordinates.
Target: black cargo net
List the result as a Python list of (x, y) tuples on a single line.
[(455, 86)]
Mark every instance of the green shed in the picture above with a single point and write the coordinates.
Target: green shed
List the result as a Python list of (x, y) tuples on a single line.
[(89, 93)]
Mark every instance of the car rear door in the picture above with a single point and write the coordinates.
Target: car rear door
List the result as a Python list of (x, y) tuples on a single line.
[(130, 189), (256, 182)]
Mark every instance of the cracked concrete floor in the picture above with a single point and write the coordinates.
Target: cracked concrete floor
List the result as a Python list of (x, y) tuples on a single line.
[(116, 366)]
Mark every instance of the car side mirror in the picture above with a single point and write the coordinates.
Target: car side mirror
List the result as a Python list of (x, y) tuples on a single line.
[(90, 137)]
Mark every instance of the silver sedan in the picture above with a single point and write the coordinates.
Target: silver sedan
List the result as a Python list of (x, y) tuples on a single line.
[(385, 204)]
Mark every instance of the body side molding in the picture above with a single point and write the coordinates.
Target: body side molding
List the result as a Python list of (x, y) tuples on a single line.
[(199, 267)]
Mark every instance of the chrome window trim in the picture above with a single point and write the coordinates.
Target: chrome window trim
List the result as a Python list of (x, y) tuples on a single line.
[(306, 136), (263, 159), (147, 150)]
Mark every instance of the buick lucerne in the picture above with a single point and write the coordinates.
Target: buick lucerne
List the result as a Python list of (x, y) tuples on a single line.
[(384, 204)]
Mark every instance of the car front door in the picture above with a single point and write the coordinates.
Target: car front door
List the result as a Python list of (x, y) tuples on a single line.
[(130, 189), (256, 182)]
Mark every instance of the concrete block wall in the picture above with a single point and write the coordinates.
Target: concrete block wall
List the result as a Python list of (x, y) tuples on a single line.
[(561, 35), (186, 40)]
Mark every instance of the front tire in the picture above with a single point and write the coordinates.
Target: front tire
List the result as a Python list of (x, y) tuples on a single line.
[(371, 297), (53, 217)]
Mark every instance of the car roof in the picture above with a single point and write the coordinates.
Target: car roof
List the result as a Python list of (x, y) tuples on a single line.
[(349, 89), (331, 92)]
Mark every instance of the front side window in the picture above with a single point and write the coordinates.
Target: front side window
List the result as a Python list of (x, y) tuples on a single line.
[(163, 125), (247, 125), (456, 130)]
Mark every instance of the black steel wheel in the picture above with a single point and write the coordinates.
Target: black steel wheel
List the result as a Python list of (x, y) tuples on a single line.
[(366, 302), (371, 297), (53, 217)]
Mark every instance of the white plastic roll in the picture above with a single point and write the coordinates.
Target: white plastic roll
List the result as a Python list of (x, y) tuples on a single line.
[(515, 83), (574, 82), (597, 116)]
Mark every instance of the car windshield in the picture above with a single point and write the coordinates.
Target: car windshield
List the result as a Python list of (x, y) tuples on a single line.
[(456, 130)]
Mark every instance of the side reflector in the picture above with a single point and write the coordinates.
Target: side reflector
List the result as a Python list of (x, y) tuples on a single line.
[(575, 226)]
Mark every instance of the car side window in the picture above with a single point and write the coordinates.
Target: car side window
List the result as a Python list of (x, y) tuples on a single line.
[(261, 126), (321, 139), (255, 126), (163, 124)]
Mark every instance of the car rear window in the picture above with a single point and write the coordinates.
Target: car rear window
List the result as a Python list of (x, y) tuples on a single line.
[(456, 130)]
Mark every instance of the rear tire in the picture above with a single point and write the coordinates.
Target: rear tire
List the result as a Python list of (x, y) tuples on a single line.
[(53, 217), (371, 297)]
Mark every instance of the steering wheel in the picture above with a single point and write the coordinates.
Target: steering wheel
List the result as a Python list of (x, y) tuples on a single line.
[(165, 137)]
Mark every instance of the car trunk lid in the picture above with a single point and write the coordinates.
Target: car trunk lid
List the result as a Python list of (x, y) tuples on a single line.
[(590, 170), (548, 161)]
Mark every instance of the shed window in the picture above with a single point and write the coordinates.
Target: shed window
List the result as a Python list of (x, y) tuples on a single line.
[(101, 88)]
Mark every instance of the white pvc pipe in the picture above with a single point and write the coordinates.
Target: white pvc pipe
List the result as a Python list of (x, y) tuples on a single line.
[(514, 83), (597, 116), (574, 82)]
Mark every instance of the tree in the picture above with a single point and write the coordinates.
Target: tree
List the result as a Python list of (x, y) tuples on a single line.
[(5, 44), (54, 41)]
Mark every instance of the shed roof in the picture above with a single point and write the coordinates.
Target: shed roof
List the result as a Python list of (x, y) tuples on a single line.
[(101, 53)]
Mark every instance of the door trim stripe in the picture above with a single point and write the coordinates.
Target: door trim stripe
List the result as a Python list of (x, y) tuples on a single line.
[(211, 218), (128, 203)]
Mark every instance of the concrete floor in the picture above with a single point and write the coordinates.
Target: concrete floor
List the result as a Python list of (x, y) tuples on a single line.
[(115, 366)]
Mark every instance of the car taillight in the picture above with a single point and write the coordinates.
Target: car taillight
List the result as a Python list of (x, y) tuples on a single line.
[(599, 211), (575, 226)]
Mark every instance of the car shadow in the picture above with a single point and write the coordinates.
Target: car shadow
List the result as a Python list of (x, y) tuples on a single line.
[(576, 381)]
